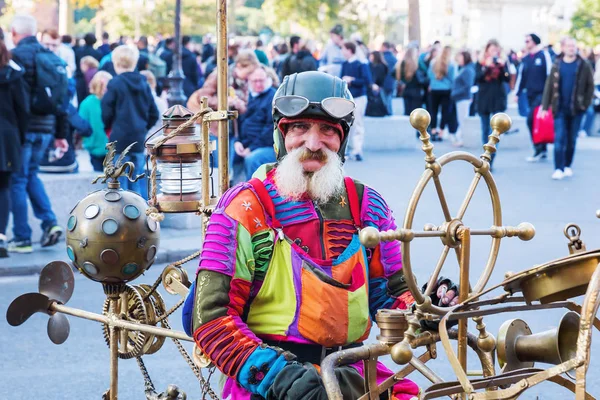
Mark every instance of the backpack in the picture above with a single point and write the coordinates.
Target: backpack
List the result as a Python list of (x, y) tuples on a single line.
[(51, 83), (157, 66)]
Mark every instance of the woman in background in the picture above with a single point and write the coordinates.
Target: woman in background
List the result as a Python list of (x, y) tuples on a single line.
[(441, 77), (461, 95)]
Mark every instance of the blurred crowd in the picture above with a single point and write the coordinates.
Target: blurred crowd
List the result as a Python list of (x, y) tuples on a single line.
[(61, 93)]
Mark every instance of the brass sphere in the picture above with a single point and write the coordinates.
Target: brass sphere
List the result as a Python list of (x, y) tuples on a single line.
[(597, 213), (487, 344), (401, 353), (501, 122), (526, 231), (420, 119), (369, 237), (109, 237)]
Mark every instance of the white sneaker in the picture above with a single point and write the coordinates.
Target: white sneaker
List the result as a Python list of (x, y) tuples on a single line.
[(537, 157), (568, 172), (558, 175)]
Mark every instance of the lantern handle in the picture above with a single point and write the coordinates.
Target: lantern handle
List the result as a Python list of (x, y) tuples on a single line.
[(154, 134)]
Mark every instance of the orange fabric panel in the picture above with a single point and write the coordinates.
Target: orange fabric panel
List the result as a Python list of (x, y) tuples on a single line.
[(375, 266), (248, 211), (323, 312)]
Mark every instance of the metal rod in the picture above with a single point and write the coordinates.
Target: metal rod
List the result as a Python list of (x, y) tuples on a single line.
[(114, 352), (465, 258), (469, 196), (222, 71), (443, 203), (425, 370), (123, 332), (205, 166), (112, 320), (436, 271)]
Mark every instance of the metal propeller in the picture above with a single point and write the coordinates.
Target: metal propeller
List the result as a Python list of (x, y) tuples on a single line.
[(56, 284)]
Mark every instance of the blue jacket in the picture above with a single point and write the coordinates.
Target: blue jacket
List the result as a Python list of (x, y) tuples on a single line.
[(461, 88), (441, 84), (128, 109), (190, 70), (256, 124), (533, 71), (361, 74), (390, 80)]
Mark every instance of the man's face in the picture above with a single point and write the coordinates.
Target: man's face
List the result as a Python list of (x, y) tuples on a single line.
[(570, 47), (529, 43), (49, 43), (335, 38), (315, 137), (347, 53), (244, 71), (258, 80)]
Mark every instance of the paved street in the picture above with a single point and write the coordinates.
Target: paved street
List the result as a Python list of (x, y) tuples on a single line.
[(34, 368)]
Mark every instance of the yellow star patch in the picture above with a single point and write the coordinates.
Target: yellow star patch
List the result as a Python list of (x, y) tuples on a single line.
[(342, 201)]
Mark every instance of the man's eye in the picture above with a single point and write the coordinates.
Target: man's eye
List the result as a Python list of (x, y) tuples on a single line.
[(328, 130), (300, 127)]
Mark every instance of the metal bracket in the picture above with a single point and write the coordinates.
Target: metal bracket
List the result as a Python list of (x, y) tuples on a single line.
[(220, 115)]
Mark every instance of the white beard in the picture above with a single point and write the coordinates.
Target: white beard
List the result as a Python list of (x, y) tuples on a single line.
[(293, 182)]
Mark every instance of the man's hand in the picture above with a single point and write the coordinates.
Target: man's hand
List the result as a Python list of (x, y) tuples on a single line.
[(542, 113), (445, 294), (236, 102), (347, 79), (61, 144), (240, 150), (375, 87)]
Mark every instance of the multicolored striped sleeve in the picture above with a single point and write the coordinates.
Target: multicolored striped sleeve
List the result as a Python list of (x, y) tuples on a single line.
[(233, 244), (387, 287)]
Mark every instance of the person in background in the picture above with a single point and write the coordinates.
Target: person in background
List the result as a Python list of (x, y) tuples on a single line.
[(44, 126), (362, 51), (531, 78), (587, 123), (331, 57), (461, 94), (161, 103), (260, 53), (568, 92), (491, 76), (208, 49), (91, 111), (190, 67), (413, 78), (14, 116), (441, 77), (65, 51), (167, 53), (128, 110), (255, 143), (379, 72), (80, 52), (89, 67), (300, 60), (143, 61), (358, 77), (390, 83), (279, 60), (104, 48)]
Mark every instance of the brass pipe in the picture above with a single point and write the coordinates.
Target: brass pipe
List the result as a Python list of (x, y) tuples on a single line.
[(114, 353), (222, 71), (113, 320), (205, 166), (346, 357), (425, 370), (465, 260), (469, 196)]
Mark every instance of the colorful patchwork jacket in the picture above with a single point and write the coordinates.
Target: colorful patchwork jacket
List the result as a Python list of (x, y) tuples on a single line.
[(277, 270)]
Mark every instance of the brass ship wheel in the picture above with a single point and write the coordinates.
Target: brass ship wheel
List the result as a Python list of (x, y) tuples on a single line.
[(452, 230)]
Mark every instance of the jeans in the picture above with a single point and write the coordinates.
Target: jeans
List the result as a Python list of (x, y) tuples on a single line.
[(97, 163), (534, 101), (587, 122), (140, 187), (486, 131), (25, 184), (523, 104), (258, 157), (462, 112), (439, 98), (387, 100), (566, 128), (4, 200)]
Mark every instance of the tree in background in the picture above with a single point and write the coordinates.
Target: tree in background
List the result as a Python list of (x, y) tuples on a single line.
[(586, 22)]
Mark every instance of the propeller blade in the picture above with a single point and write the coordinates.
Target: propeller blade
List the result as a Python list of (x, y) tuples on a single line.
[(57, 281), (58, 328), (25, 306)]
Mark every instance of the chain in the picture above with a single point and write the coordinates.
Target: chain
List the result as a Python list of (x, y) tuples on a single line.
[(154, 287), (149, 386), (175, 264), (171, 311)]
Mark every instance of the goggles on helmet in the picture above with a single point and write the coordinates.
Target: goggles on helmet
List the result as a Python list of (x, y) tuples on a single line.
[(292, 106)]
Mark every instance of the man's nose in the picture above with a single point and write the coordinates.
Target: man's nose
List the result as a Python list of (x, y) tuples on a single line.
[(313, 139)]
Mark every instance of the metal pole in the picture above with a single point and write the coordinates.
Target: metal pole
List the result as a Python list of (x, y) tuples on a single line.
[(222, 81), (114, 353), (465, 260), (175, 94), (205, 166)]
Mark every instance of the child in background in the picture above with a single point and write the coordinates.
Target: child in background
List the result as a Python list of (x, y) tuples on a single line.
[(91, 110), (128, 109), (89, 67), (161, 104)]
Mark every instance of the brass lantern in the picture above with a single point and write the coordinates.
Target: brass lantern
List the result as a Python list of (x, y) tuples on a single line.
[(179, 171)]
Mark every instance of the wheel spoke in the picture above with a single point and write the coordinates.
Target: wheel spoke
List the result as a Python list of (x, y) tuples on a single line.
[(469, 196), (434, 276), (442, 196)]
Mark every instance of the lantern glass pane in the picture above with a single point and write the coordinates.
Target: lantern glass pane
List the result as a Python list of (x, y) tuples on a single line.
[(176, 178)]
